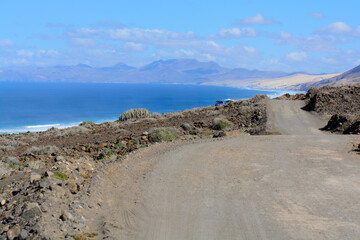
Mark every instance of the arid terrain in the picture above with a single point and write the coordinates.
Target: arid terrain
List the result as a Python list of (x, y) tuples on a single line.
[(253, 169), (294, 81)]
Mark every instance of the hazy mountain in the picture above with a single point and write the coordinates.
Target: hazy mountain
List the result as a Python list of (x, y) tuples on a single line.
[(350, 77), (168, 71)]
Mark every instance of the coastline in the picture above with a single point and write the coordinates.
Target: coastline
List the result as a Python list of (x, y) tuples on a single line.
[(187, 103)]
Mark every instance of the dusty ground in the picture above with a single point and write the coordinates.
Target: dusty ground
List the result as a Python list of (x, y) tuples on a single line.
[(304, 184)]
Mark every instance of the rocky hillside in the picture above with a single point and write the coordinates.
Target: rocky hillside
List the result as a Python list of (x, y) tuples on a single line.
[(341, 103), (42, 174)]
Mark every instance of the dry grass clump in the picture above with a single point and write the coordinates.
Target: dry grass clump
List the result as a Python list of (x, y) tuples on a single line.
[(9, 144), (42, 150), (135, 114), (71, 131), (222, 124), (163, 134), (174, 114), (156, 115)]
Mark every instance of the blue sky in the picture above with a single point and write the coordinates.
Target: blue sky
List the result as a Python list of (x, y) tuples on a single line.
[(314, 36)]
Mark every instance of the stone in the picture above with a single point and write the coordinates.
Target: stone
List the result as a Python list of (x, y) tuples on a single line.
[(59, 158), (219, 134), (13, 233), (59, 192), (34, 165), (5, 228), (34, 177), (31, 211), (24, 234), (73, 187), (66, 216), (3, 202), (85, 167), (186, 127), (49, 174)]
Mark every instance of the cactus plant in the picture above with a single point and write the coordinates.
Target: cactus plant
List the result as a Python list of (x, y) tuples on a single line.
[(135, 114)]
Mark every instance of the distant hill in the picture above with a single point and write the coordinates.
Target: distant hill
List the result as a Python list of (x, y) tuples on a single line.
[(347, 78), (181, 71), (296, 81)]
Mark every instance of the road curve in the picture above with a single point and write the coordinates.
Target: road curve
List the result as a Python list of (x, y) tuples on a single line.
[(300, 185)]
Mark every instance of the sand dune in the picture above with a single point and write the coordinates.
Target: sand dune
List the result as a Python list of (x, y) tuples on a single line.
[(293, 82)]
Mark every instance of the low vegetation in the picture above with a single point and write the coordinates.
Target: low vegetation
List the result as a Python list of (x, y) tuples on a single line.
[(135, 114), (222, 124), (60, 175), (87, 123), (164, 134), (42, 150)]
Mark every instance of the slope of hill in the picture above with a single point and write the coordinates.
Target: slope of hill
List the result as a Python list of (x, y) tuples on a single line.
[(292, 81), (347, 78)]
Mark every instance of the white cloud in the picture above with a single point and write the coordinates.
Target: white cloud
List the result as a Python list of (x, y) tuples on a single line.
[(134, 47), (316, 43), (250, 49), (317, 15), (297, 56), (329, 60), (156, 37), (356, 32), (82, 42), (357, 62), (49, 53), (24, 53), (285, 34), (258, 19), (336, 28), (6, 43), (231, 33)]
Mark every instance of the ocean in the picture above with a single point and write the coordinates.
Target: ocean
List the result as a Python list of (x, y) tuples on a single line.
[(30, 106)]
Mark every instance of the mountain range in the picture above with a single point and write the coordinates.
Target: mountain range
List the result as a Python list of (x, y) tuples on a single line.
[(182, 71), (179, 71)]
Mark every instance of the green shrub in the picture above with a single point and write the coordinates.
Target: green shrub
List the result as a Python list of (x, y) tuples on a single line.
[(108, 151), (60, 175), (163, 134), (222, 123), (87, 123), (135, 114)]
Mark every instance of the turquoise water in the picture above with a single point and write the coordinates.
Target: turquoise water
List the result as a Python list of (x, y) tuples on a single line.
[(39, 106)]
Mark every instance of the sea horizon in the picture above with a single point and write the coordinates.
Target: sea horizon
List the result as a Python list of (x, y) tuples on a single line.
[(38, 106)]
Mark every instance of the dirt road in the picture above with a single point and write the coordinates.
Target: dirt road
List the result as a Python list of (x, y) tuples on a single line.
[(303, 184)]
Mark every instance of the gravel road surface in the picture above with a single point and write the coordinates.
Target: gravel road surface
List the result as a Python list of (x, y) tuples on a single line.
[(303, 184)]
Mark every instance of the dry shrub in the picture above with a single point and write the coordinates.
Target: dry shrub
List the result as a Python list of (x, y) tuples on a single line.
[(163, 134), (42, 150)]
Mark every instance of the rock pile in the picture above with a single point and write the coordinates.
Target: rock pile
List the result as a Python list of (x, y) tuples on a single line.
[(341, 103)]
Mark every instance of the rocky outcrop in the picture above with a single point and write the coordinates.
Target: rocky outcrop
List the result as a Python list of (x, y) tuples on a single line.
[(341, 103)]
